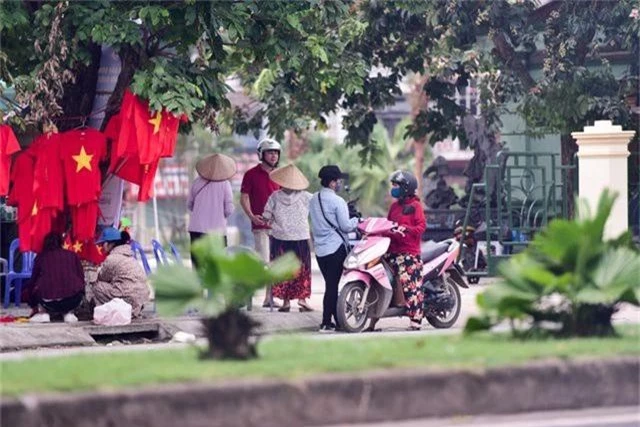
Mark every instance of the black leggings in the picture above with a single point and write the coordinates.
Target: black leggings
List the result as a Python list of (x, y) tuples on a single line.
[(331, 269), (64, 305)]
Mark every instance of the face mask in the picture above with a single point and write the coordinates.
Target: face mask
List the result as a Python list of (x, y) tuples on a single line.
[(395, 192)]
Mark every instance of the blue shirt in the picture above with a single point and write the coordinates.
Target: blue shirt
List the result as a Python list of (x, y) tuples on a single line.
[(326, 240)]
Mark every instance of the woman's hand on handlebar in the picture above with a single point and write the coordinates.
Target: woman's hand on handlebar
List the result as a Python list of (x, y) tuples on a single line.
[(399, 229)]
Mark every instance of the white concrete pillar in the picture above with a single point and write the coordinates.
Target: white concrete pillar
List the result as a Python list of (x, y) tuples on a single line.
[(602, 160)]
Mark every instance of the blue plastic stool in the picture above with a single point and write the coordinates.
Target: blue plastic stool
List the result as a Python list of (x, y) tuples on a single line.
[(176, 253), (28, 258), (137, 250), (159, 253)]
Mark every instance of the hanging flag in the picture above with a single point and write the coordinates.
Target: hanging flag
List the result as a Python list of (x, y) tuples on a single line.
[(22, 197), (81, 152), (48, 178), (149, 134), (86, 249), (8, 146)]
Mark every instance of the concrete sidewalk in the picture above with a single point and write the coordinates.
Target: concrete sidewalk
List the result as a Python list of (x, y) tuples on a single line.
[(21, 336)]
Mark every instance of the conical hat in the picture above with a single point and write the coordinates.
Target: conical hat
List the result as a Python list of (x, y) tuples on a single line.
[(216, 167), (289, 177)]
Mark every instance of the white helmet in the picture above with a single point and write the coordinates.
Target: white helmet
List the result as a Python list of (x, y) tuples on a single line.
[(268, 144)]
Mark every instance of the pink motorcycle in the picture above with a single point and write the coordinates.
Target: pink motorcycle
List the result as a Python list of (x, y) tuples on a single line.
[(367, 281)]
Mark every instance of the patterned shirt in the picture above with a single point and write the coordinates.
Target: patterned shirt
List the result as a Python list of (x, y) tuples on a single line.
[(288, 215)]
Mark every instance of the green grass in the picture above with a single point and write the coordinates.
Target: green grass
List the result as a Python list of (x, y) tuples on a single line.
[(295, 357)]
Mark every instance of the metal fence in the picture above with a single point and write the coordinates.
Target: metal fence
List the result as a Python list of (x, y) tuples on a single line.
[(522, 192)]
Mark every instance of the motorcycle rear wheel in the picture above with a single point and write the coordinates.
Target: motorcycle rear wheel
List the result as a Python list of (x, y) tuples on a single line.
[(447, 319), (349, 318)]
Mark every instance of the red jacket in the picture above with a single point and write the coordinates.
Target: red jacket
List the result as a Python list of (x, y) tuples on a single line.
[(409, 214)]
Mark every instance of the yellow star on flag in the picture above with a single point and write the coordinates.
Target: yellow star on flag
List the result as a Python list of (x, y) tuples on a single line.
[(66, 246), (34, 211), (83, 160), (156, 122), (77, 247)]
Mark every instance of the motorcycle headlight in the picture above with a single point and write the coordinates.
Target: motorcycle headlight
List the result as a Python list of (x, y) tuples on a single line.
[(351, 262)]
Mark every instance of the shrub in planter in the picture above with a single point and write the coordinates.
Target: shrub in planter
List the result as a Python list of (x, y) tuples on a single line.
[(570, 278), (223, 283)]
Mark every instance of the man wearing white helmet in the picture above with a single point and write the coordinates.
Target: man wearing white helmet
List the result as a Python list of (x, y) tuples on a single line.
[(255, 190)]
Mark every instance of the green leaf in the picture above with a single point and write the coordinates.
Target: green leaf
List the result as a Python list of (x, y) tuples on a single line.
[(231, 277), (477, 324), (176, 287)]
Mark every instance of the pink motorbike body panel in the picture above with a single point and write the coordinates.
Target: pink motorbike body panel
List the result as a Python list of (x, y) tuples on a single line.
[(453, 256), (446, 259), (376, 225), (377, 273)]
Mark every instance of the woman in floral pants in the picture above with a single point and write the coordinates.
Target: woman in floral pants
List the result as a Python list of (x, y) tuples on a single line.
[(404, 251)]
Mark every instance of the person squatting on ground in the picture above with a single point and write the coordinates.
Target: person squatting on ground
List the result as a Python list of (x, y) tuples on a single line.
[(403, 255), (329, 224), (210, 200), (57, 282), (287, 213), (255, 190), (120, 275)]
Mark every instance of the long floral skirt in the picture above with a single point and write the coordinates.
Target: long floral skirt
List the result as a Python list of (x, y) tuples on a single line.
[(407, 269), (300, 286)]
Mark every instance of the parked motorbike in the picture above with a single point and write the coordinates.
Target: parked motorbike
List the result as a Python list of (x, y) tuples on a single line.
[(367, 281)]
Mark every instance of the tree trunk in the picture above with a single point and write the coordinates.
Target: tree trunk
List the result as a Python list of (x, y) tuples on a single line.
[(131, 60), (230, 336), (419, 101), (77, 101), (418, 169), (568, 149)]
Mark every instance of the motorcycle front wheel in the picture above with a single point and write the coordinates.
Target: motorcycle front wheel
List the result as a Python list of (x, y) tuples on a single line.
[(445, 319), (349, 317)]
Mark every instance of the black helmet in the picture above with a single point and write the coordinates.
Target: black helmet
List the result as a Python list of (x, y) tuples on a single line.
[(406, 181)]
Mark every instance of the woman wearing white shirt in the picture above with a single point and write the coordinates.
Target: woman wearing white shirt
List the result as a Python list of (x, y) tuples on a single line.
[(287, 212)]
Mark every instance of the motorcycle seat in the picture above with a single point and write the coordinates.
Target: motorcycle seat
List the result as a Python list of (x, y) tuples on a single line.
[(432, 250)]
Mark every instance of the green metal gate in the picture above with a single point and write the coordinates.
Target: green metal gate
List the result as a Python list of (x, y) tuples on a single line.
[(523, 192)]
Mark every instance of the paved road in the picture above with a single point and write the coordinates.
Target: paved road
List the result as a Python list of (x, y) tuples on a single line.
[(628, 313), (600, 417)]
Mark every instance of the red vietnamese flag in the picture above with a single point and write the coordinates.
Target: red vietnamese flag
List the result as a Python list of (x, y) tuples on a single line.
[(81, 152), (8, 146), (22, 197), (48, 181), (86, 249), (124, 162), (43, 221), (155, 133), (128, 165), (84, 219)]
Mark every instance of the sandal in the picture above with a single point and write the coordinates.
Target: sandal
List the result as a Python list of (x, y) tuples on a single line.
[(414, 326), (284, 309), (304, 307), (273, 304)]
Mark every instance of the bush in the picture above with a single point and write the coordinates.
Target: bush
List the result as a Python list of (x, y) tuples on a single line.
[(569, 276)]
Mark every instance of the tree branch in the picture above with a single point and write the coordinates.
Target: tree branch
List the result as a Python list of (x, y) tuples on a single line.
[(509, 57)]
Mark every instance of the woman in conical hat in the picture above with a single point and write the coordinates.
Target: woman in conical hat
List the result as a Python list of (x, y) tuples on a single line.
[(287, 212), (210, 199)]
